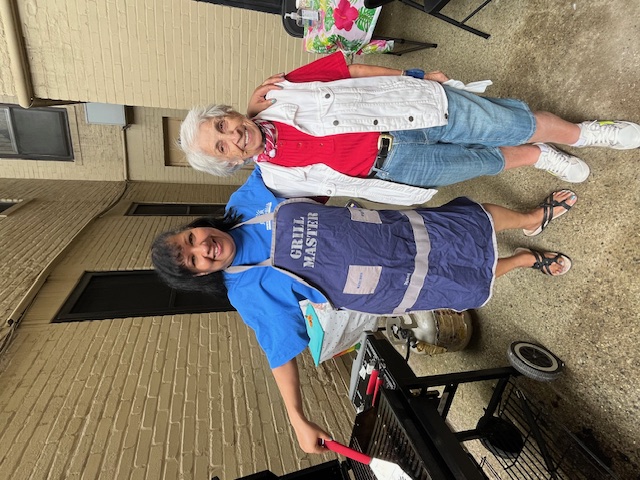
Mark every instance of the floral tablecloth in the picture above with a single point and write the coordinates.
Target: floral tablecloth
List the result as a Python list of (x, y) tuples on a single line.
[(345, 25)]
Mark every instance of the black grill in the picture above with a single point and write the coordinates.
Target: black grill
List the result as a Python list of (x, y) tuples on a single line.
[(402, 428), (407, 426), (389, 439), (390, 431)]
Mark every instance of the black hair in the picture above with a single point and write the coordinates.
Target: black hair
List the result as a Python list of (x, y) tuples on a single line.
[(164, 256)]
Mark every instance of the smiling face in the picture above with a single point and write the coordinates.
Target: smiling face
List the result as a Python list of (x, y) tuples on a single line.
[(204, 249), (233, 138)]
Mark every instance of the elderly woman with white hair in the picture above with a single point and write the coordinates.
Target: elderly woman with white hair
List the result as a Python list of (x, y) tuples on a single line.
[(329, 128)]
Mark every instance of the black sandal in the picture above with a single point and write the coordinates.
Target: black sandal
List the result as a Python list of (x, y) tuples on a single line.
[(547, 214), (543, 262)]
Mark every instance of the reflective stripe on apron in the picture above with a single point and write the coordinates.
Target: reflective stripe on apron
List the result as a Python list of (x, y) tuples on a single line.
[(365, 260)]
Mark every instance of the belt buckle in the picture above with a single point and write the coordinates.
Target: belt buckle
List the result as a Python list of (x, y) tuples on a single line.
[(385, 136)]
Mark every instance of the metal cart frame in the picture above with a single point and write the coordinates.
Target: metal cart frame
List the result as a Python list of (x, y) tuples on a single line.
[(524, 440)]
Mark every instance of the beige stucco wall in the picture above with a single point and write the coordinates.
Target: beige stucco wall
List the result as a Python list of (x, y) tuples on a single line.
[(98, 152), (170, 54), (146, 150), (183, 396), (107, 152)]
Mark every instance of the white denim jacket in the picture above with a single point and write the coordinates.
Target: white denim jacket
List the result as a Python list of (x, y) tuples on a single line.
[(319, 180), (369, 104), (356, 104)]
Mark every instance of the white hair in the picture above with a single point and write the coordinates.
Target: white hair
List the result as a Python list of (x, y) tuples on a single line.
[(189, 131)]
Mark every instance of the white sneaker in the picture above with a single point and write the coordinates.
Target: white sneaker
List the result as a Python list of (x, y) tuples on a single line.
[(562, 165), (609, 133)]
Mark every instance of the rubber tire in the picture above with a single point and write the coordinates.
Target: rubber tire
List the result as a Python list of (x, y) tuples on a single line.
[(534, 361)]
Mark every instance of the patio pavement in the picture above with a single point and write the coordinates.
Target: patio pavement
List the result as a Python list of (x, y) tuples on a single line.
[(580, 60)]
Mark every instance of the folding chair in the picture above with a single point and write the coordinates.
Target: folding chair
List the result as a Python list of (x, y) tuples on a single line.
[(433, 7)]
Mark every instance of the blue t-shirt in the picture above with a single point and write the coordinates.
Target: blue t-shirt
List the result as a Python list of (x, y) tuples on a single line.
[(266, 299)]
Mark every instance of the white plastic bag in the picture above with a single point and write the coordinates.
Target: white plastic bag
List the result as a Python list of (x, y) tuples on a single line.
[(333, 332)]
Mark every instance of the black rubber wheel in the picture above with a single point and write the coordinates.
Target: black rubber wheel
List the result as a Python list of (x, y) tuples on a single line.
[(500, 437), (534, 361)]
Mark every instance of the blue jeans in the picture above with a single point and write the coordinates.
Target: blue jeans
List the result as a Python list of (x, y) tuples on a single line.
[(465, 148)]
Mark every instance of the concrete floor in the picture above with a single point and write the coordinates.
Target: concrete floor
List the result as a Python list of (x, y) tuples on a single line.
[(580, 60)]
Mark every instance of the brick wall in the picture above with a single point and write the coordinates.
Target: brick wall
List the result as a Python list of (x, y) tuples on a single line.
[(171, 54), (6, 79), (37, 232), (188, 396), (176, 396)]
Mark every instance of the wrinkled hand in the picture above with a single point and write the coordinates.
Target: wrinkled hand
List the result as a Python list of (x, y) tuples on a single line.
[(436, 76), (308, 434), (258, 100)]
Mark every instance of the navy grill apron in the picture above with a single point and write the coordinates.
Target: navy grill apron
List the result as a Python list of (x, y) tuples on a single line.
[(380, 261)]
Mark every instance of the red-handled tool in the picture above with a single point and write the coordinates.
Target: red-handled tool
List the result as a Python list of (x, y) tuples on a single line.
[(382, 469), (379, 383), (373, 378)]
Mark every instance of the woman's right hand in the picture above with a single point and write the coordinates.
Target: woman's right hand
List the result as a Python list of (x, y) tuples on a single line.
[(258, 100), (308, 434)]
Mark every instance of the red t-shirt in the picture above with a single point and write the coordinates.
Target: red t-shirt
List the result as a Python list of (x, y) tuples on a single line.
[(350, 153)]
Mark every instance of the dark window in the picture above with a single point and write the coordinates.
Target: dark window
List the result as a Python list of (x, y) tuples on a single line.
[(135, 293), (6, 206), (34, 133), (267, 6), (176, 209)]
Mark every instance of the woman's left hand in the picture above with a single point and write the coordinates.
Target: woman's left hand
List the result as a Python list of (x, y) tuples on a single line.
[(258, 101), (436, 76)]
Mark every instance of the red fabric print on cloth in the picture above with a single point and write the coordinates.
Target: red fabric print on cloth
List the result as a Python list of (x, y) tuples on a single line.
[(344, 15)]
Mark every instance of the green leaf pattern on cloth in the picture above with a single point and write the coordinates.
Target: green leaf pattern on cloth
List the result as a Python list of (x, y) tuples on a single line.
[(329, 21), (365, 19)]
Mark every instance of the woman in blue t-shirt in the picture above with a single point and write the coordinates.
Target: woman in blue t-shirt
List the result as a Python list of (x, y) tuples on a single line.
[(382, 262)]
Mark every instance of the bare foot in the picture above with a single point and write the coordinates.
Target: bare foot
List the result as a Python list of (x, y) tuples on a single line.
[(556, 205)]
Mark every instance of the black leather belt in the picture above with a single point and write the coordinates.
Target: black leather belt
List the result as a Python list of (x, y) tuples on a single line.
[(385, 143)]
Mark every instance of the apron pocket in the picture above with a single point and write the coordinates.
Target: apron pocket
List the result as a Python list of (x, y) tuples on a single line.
[(364, 215), (362, 279)]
